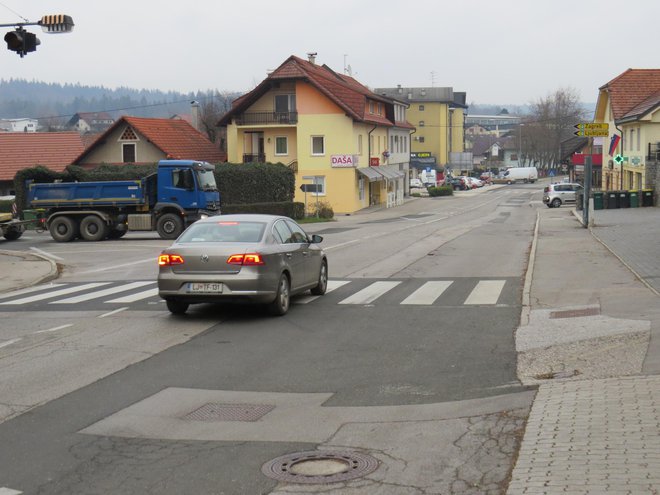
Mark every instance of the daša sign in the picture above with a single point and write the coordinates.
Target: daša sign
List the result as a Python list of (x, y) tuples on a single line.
[(342, 161)]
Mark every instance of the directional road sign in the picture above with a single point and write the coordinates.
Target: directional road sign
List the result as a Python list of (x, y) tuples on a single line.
[(592, 129)]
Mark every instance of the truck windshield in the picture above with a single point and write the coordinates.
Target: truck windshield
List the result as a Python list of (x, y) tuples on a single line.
[(206, 180)]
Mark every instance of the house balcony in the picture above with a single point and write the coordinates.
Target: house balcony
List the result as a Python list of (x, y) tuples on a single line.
[(254, 158), (267, 118)]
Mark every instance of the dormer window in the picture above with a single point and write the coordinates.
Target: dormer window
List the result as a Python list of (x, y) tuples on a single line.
[(371, 107)]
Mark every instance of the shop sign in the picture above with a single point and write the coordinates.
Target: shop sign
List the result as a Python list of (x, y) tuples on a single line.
[(343, 161)]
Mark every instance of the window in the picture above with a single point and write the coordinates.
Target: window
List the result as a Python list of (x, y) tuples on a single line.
[(281, 232), (379, 109), (421, 123), (359, 144), (371, 107), (298, 235), (421, 139), (128, 153), (285, 103), (318, 145), (421, 108), (281, 145), (639, 132)]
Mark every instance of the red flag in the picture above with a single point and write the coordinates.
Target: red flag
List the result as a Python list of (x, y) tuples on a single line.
[(614, 142)]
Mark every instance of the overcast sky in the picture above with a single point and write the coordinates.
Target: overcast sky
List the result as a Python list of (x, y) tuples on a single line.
[(497, 51)]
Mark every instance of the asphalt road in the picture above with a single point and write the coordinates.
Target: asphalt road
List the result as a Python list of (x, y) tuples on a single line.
[(373, 341)]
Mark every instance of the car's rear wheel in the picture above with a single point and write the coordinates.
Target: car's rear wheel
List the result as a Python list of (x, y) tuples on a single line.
[(556, 203), (322, 286), (280, 304), (177, 307)]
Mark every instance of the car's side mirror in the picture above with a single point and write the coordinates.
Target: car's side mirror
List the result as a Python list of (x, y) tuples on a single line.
[(316, 239)]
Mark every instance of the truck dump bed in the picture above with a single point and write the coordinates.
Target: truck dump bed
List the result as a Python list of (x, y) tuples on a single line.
[(86, 194)]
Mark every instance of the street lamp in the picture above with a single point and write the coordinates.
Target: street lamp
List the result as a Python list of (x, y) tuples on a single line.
[(520, 126)]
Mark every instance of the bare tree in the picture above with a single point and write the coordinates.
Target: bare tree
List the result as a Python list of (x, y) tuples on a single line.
[(551, 121), (213, 105)]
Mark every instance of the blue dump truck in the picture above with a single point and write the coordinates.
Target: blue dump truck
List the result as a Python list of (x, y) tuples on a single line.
[(178, 194)]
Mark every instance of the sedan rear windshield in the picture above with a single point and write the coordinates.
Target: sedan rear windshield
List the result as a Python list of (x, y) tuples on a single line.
[(224, 232)]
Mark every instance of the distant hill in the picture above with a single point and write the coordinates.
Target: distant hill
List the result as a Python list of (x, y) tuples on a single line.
[(56, 103)]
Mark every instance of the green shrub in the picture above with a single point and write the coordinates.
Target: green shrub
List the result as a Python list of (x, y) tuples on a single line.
[(441, 191), (322, 209)]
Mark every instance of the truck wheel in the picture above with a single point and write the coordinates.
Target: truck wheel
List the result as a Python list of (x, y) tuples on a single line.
[(12, 234), (92, 228), (169, 226), (63, 229)]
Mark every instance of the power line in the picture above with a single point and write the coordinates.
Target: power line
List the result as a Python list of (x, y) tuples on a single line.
[(14, 12)]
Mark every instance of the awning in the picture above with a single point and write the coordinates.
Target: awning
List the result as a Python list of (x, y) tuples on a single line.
[(390, 172), (370, 174)]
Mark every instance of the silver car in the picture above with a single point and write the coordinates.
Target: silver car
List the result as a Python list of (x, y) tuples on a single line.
[(258, 258), (556, 195)]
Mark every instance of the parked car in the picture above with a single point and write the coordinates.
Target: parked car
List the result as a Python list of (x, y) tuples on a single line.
[(459, 184), (556, 195), (256, 258), (474, 182), (416, 183)]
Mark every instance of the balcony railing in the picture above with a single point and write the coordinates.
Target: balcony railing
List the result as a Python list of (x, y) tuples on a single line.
[(254, 158), (267, 118), (653, 152)]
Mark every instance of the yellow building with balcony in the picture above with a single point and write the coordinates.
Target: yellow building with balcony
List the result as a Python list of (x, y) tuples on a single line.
[(630, 104), (330, 129)]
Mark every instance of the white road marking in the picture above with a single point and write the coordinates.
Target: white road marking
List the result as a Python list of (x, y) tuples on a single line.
[(9, 342), (55, 330), (486, 292), (119, 310), (29, 290), (427, 293), (8, 491), (153, 260), (135, 297), (370, 293), (102, 293), (56, 293), (332, 285)]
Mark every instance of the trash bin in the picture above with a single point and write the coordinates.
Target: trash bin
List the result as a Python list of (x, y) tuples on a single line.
[(624, 199), (612, 199), (579, 200), (598, 200), (647, 197), (634, 198)]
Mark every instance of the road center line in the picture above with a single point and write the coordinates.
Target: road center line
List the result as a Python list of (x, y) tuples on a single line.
[(9, 342), (55, 329), (110, 314), (114, 267)]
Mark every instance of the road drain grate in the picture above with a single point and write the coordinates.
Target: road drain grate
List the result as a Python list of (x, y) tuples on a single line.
[(320, 467), (229, 412), (574, 313)]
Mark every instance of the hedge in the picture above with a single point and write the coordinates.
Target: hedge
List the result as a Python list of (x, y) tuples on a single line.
[(239, 184), (288, 209)]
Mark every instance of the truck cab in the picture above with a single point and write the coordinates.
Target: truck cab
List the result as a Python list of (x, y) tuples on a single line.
[(189, 184)]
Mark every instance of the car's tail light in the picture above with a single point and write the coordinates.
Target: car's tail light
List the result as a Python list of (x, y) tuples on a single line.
[(170, 259), (247, 259)]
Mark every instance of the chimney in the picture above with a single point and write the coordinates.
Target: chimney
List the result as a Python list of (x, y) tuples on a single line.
[(194, 111), (399, 89), (311, 56)]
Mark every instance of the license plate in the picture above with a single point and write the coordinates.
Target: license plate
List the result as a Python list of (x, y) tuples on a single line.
[(205, 287)]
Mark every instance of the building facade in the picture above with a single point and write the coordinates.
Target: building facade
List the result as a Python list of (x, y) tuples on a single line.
[(630, 104), (332, 131), (438, 115)]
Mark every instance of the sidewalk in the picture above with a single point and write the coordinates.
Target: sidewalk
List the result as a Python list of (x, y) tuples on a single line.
[(21, 270), (589, 338)]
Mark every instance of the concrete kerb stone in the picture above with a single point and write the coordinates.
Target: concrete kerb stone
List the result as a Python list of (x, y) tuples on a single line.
[(19, 274)]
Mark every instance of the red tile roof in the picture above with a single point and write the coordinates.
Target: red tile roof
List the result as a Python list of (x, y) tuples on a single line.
[(631, 88), (19, 150), (346, 92), (174, 137)]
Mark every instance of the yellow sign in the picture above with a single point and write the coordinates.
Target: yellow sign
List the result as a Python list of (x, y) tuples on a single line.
[(592, 133), (593, 126)]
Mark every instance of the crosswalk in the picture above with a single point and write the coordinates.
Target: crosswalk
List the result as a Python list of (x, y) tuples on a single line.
[(352, 292)]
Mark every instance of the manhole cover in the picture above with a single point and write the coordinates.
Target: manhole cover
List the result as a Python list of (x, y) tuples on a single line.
[(320, 467)]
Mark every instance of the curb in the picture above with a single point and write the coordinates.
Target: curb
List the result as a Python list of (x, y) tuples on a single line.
[(53, 273)]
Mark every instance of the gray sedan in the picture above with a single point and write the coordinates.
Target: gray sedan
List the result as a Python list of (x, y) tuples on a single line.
[(258, 258)]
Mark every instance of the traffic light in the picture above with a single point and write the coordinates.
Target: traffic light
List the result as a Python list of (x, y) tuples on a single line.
[(21, 42)]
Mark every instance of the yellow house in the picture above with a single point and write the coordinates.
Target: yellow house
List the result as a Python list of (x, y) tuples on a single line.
[(330, 129), (630, 104), (438, 114)]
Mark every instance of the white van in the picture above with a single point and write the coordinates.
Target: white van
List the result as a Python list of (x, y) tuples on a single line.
[(524, 174)]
